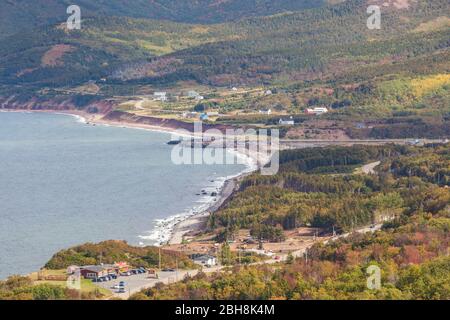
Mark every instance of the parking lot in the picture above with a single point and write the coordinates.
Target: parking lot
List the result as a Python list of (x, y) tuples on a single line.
[(136, 283)]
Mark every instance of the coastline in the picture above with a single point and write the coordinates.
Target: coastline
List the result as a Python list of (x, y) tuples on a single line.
[(173, 229), (197, 222)]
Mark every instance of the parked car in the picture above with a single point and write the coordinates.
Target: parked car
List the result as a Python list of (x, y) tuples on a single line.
[(121, 290), (168, 270)]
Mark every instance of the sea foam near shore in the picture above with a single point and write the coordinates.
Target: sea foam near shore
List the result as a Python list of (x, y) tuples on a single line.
[(164, 228)]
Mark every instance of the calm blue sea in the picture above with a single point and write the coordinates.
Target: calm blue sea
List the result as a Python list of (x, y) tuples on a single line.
[(63, 183)]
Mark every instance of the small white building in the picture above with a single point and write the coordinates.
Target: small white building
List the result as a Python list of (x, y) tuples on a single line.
[(192, 94), (160, 96), (205, 260), (317, 111), (213, 114), (289, 122), (195, 95), (268, 92), (266, 112)]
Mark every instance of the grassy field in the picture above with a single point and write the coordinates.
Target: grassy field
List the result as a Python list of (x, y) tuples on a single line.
[(87, 286)]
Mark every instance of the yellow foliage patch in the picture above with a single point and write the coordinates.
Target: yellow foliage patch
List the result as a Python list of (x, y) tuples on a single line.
[(422, 86)]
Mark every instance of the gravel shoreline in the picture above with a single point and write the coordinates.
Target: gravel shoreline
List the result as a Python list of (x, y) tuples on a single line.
[(197, 223)]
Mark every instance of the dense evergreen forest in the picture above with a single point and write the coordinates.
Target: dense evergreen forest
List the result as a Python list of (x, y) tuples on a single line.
[(322, 188), (315, 187)]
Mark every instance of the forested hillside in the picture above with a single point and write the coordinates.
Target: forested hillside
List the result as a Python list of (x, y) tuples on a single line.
[(23, 14), (322, 188), (318, 57), (324, 43), (408, 194)]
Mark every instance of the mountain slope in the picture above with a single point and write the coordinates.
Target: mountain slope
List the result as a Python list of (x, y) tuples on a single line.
[(23, 14), (323, 43)]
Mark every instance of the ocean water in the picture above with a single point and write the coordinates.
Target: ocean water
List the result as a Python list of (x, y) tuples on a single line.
[(64, 182)]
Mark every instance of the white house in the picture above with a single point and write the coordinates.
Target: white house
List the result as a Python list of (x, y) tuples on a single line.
[(195, 95), (289, 122), (266, 112), (317, 111), (205, 260), (192, 94), (160, 96)]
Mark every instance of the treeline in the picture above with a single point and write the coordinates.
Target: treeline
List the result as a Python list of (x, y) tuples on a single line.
[(411, 249), (412, 254), (432, 166), (324, 188)]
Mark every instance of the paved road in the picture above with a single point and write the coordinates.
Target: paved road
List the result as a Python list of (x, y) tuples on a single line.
[(304, 143), (136, 283)]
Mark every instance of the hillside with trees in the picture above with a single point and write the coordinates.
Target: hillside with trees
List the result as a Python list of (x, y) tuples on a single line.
[(117, 251), (23, 15), (317, 57), (322, 188), (318, 187), (322, 43)]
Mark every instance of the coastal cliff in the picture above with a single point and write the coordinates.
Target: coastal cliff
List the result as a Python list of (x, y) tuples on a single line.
[(103, 108), (89, 104)]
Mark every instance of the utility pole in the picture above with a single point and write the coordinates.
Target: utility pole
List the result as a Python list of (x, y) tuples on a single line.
[(176, 261), (159, 259)]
